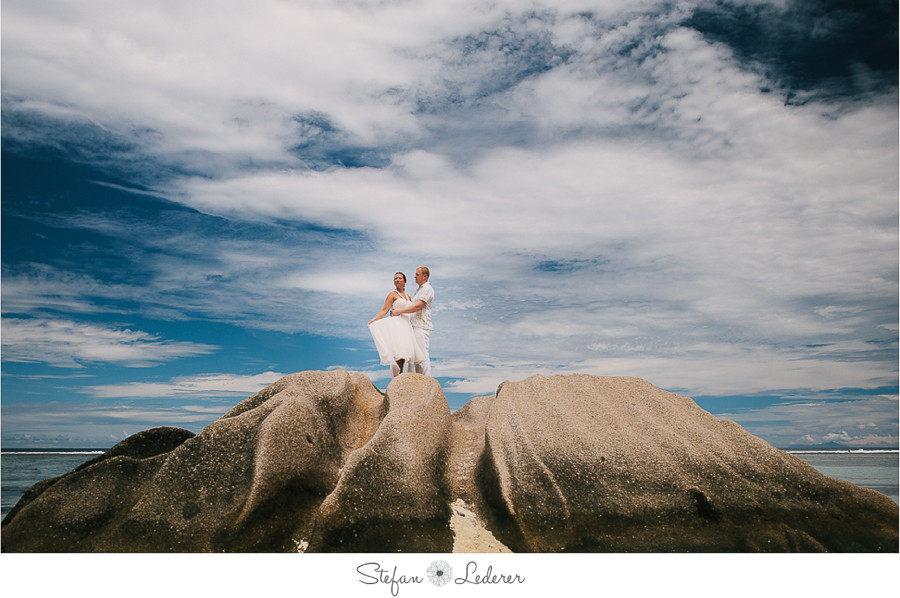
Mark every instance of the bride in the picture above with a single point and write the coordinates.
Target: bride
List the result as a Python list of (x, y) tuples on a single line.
[(394, 337)]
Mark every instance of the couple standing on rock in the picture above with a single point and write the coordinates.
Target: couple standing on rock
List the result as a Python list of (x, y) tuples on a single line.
[(404, 338)]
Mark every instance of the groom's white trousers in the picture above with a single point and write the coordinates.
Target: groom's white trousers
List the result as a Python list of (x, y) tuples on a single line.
[(423, 339)]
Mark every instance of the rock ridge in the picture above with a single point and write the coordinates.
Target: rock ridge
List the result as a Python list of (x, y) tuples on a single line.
[(325, 462)]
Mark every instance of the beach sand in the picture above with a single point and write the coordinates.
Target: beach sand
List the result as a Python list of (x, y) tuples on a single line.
[(469, 534)]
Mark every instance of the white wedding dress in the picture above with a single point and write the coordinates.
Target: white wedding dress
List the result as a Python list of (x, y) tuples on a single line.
[(394, 337)]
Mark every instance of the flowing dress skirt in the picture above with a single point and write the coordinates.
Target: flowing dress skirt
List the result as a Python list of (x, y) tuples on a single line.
[(395, 340)]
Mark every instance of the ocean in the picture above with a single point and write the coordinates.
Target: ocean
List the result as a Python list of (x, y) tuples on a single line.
[(875, 469), (21, 469)]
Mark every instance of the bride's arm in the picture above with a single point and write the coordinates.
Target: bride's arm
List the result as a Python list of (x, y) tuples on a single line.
[(386, 308)]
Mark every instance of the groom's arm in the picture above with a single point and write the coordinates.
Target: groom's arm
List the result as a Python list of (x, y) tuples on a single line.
[(417, 306)]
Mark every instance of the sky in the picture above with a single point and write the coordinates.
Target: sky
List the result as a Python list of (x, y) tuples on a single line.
[(201, 197)]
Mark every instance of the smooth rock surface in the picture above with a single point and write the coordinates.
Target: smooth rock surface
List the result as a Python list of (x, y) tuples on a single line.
[(324, 462), (590, 463), (391, 494), (250, 481)]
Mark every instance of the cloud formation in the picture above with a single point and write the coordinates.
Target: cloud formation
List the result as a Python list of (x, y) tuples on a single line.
[(703, 194), (88, 425), (851, 421), (64, 343), (189, 387)]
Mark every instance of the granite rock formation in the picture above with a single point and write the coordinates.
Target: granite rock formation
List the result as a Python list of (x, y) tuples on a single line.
[(324, 462)]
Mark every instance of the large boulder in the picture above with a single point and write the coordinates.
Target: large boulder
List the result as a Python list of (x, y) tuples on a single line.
[(324, 462), (250, 481), (391, 493), (586, 463)]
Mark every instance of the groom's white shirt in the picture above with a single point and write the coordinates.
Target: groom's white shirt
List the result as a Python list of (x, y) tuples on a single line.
[(422, 318)]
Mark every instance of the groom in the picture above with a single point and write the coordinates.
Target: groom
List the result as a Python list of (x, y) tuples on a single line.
[(421, 322)]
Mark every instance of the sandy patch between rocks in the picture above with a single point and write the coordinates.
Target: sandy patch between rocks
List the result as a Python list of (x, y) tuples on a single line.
[(469, 534)]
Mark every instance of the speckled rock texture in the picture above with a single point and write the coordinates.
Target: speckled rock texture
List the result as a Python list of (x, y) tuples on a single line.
[(584, 463), (324, 462), (250, 481), (391, 495)]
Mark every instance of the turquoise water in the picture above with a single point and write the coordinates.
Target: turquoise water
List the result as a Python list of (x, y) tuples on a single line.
[(20, 470)]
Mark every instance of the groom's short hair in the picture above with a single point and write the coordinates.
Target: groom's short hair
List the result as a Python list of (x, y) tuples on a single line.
[(425, 271)]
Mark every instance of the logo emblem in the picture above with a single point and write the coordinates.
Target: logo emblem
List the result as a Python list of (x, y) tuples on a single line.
[(439, 573)]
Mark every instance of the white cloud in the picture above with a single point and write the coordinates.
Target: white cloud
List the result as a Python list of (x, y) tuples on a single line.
[(66, 343), (860, 421), (47, 288), (638, 208), (228, 79), (187, 387), (726, 369), (77, 424)]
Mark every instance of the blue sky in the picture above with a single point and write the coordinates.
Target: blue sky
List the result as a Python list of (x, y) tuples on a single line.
[(199, 197)]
